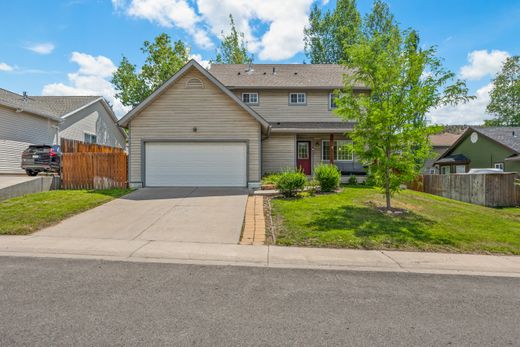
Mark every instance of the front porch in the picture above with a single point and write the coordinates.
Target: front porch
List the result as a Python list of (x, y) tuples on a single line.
[(307, 145)]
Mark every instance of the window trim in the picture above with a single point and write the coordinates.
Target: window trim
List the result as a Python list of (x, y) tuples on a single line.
[(330, 102), (251, 103), (304, 103), (336, 160), (500, 164)]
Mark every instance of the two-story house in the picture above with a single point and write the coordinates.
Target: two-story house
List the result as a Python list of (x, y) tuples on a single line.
[(35, 120), (234, 123)]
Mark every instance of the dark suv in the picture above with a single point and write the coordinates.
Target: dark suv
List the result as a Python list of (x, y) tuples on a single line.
[(41, 158)]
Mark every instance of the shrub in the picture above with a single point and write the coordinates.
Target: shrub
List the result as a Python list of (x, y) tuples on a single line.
[(328, 175), (352, 179), (370, 180), (271, 178), (290, 182)]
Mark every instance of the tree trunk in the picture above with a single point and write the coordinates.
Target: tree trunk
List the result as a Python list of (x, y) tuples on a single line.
[(387, 180)]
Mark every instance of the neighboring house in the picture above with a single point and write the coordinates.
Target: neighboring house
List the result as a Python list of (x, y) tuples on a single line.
[(27, 120), (440, 144), (483, 147), (234, 123)]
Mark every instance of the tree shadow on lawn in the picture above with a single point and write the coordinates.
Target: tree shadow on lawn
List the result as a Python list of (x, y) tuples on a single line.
[(375, 227)]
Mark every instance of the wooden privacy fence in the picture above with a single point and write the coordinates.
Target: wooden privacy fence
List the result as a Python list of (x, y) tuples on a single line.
[(94, 170), (75, 146), (493, 190)]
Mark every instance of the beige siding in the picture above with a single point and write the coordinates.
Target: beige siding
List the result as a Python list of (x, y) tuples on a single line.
[(94, 120), (179, 110), (278, 152), (19, 130), (274, 106)]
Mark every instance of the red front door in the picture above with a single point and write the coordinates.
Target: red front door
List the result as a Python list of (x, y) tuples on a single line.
[(304, 156)]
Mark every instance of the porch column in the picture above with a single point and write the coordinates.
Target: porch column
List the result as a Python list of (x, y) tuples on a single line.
[(331, 148)]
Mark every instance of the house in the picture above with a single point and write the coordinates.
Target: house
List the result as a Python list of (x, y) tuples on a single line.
[(234, 123), (483, 147), (27, 120), (440, 144)]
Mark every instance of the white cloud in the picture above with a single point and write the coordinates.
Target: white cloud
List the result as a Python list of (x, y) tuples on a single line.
[(167, 13), (6, 67), (41, 48), (483, 63), (198, 58), (91, 78), (285, 21), (472, 112)]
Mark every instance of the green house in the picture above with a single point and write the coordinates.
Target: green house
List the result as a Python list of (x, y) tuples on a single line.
[(482, 148)]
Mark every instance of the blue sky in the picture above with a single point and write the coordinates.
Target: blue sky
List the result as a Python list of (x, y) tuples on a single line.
[(72, 46)]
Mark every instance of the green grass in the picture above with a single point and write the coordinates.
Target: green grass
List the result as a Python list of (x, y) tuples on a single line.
[(432, 223), (29, 213)]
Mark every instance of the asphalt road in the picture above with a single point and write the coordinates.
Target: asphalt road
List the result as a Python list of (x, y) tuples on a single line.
[(46, 302)]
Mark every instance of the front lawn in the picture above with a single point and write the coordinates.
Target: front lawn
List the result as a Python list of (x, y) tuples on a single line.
[(26, 214), (350, 220)]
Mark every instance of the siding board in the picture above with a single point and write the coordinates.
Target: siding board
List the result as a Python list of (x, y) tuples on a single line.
[(274, 106), (175, 114), (19, 130)]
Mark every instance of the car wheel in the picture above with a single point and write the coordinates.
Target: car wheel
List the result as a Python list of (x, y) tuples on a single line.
[(31, 173)]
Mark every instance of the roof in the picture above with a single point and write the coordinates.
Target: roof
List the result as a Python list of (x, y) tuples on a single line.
[(191, 64), (507, 136), (454, 159), (281, 76), (63, 105), (315, 127), (443, 140), (53, 107)]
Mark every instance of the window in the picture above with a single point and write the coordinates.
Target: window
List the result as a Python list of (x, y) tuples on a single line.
[(90, 138), (332, 102), (460, 169), (342, 152), (297, 99), (303, 150), (499, 166), (250, 98), (445, 170)]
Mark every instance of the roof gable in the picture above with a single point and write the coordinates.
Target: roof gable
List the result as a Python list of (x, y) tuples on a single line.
[(191, 64), (508, 137)]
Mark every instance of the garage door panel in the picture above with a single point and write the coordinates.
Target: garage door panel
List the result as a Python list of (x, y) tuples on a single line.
[(205, 164)]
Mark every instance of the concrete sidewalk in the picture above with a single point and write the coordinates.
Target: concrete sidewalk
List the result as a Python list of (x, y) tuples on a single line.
[(263, 256)]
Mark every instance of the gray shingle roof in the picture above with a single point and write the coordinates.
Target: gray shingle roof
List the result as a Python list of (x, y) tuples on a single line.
[(61, 105), (48, 106), (507, 136), (312, 126), (317, 76)]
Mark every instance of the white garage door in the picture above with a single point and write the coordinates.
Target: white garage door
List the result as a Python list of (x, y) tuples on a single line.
[(195, 164)]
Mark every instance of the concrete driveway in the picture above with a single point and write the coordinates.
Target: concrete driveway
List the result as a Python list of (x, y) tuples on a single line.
[(208, 215)]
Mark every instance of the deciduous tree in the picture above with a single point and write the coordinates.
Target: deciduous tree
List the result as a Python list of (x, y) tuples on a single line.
[(505, 96), (163, 60), (328, 33), (405, 82), (233, 47)]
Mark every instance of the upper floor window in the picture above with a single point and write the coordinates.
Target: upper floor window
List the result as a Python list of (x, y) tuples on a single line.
[(297, 99), (250, 98), (499, 166), (342, 150), (90, 138), (332, 101)]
